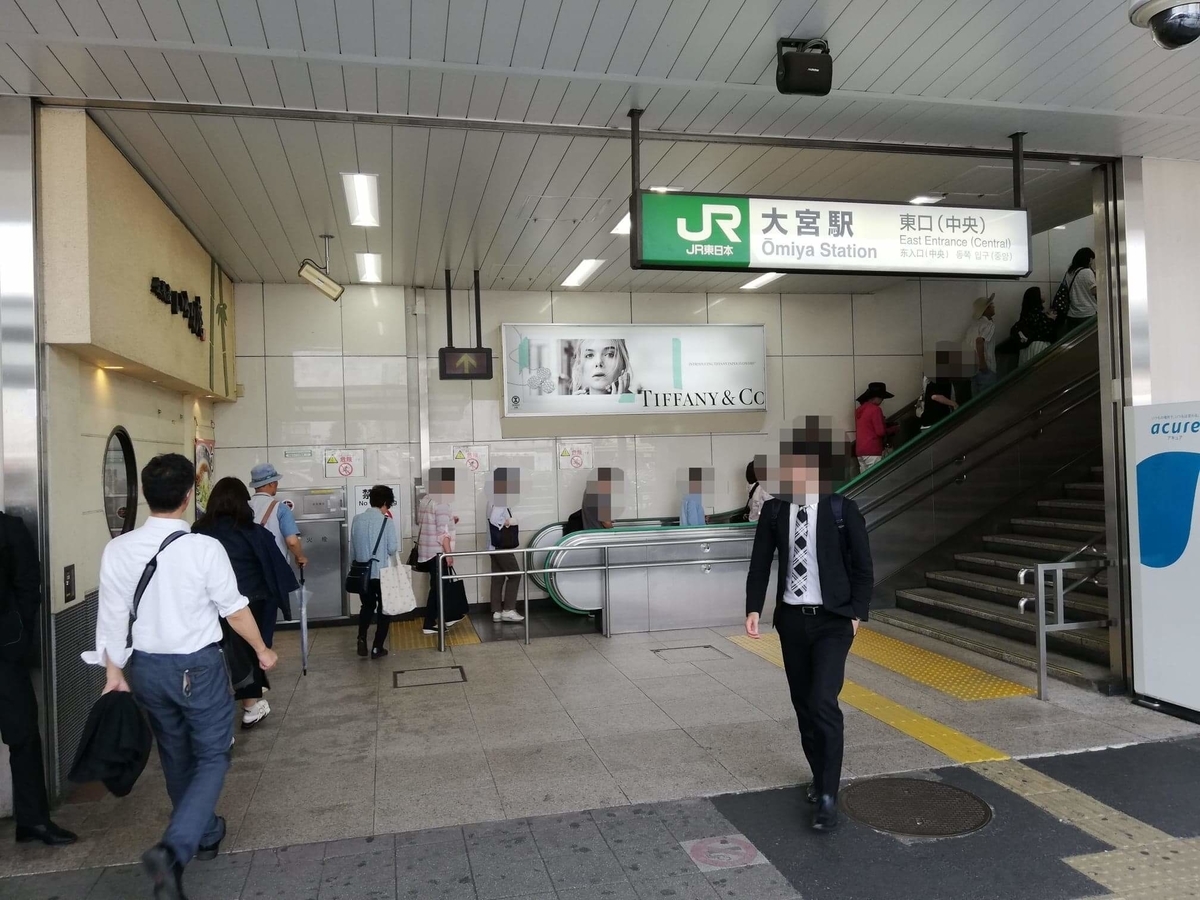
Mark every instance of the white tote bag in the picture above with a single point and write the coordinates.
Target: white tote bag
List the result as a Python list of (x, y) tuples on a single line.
[(396, 585)]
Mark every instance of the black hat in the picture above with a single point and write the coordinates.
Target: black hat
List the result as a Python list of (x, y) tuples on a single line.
[(875, 389)]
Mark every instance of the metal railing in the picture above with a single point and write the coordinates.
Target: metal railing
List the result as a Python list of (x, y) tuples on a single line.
[(604, 567), (1044, 628)]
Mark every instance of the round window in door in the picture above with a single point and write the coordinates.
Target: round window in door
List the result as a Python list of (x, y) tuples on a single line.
[(120, 483)]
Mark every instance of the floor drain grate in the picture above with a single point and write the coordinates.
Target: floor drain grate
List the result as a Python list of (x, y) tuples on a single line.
[(411, 678), (690, 654), (914, 807)]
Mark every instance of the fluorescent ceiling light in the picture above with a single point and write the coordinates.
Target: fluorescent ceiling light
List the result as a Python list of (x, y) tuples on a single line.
[(113, 368), (362, 198), (1060, 227), (582, 272), (761, 280), (927, 199), (623, 226), (663, 190), (370, 267)]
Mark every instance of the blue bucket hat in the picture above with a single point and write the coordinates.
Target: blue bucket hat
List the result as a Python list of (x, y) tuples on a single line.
[(262, 475)]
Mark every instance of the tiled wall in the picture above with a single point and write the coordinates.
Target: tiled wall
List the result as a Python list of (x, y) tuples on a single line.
[(317, 374)]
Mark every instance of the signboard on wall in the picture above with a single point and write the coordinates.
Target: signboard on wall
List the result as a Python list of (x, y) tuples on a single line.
[(345, 463), (1164, 469), (576, 457), (793, 234), (362, 498), (591, 370), (473, 458), (205, 460)]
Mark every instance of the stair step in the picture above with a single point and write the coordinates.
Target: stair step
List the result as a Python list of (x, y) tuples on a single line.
[(1007, 592), (984, 615), (1060, 528), (1097, 473), (1085, 490), (1065, 668), (1089, 510), (1006, 566), (1043, 548)]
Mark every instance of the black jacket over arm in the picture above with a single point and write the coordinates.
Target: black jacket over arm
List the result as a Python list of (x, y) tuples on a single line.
[(847, 575), (20, 587)]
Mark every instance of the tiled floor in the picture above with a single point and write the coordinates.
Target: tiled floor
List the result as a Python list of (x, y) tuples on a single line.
[(561, 725)]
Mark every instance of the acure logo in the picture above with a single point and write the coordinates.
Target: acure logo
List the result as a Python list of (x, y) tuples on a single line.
[(727, 218)]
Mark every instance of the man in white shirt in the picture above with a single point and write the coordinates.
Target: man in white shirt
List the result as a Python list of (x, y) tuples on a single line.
[(175, 666), (823, 588), (979, 345)]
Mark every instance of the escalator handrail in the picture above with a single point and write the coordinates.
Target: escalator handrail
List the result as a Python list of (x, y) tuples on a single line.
[(1061, 394), (940, 429), (974, 463)]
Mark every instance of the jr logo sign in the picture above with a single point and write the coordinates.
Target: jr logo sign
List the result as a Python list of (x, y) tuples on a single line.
[(728, 218), (685, 230)]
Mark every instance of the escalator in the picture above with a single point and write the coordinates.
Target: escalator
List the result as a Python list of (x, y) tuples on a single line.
[(1007, 480)]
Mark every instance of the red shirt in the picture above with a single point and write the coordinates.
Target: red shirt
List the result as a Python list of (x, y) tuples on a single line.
[(870, 430)]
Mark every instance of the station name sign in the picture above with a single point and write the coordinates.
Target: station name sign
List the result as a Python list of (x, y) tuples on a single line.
[(191, 309), (790, 234)]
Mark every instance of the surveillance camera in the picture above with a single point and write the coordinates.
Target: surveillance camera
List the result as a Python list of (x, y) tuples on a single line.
[(1173, 24), (318, 278)]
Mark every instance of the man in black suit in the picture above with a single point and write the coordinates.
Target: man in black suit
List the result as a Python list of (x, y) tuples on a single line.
[(824, 592), (20, 596)]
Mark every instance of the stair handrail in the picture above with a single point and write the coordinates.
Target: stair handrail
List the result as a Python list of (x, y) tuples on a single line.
[(1042, 628), (1088, 546)]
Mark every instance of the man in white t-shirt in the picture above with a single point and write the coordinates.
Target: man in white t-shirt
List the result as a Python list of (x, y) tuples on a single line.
[(979, 344)]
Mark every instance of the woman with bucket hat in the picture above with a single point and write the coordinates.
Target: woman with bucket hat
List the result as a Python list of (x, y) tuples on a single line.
[(870, 429)]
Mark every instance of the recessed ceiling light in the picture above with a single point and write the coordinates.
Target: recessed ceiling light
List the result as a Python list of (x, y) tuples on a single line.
[(1060, 227), (362, 198), (928, 199), (622, 227), (663, 190), (1074, 162), (582, 272), (761, 280), (370, 267)]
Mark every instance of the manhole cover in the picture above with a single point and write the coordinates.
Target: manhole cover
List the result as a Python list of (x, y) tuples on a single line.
[(913, 807)]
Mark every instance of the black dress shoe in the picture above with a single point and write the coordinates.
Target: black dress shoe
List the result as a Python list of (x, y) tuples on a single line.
[(826, 816), (810, 793), (378, 652), (210, 851), (49, 834), (165, 873), (362, 646)]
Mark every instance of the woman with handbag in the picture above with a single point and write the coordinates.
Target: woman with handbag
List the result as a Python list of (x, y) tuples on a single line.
[(263, 577), (435, 537), (503, 535), (373, 540)]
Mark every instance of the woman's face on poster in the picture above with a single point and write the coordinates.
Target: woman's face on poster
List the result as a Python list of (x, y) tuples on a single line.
[(601, 361)]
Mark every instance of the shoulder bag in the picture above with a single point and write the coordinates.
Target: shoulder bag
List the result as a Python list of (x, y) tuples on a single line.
[(358, 579), (504, 537)]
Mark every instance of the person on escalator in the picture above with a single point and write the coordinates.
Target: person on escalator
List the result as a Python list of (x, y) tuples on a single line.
[(1080, 282), (758, 494), (870, 429), (1034, 331), (979, 344), (597, 509), (691, 509), (945, 362)]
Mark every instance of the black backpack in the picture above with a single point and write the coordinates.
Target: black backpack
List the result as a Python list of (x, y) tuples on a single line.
[(574, 522)]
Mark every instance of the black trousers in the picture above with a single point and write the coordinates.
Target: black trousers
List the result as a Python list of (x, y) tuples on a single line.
[(19, 729), (261, 682), (815, 648), (372, 607)]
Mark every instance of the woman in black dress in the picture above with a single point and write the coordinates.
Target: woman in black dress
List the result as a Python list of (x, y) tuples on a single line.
[(263, 575)]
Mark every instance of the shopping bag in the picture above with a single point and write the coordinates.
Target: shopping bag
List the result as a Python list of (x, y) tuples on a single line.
[(396, 585), (454, 597)]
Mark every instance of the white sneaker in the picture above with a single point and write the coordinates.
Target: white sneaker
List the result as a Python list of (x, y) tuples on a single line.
[(495, 617), (451, 624), (511, 615), (429, 631), (252, 715)]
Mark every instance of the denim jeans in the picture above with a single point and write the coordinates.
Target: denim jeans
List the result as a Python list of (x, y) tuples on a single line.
[(189, 702), (982, 382)]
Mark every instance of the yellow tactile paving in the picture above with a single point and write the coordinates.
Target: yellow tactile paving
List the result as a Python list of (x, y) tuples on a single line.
[(407, 635), (959, 747), (934, 670)]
